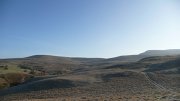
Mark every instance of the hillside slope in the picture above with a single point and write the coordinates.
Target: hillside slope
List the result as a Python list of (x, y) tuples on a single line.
[(121, 78)]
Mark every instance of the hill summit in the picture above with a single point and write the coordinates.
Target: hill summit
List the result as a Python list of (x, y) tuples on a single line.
[(161, 52)]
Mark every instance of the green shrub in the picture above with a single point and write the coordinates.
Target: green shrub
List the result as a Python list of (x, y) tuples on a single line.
[(15, 78), (3, 83)]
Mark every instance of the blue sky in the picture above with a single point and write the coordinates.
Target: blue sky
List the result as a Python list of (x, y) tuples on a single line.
[(87, 28)]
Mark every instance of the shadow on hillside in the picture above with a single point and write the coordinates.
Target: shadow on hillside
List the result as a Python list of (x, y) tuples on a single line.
[(108, 77), (39, 85)]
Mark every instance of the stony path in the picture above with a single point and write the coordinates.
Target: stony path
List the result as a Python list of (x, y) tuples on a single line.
[(154, 83), (171, 94)]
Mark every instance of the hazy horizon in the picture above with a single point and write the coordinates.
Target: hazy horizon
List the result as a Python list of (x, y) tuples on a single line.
[(89, 57), (87, 28)]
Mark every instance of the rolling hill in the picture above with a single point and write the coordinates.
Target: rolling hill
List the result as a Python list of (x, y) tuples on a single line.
[(135, 77), (57, 64)]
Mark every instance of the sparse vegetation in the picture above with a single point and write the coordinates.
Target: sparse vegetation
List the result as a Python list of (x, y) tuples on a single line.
[(82, 80)]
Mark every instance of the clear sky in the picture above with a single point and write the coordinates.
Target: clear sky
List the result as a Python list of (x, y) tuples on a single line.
[(87, 28)]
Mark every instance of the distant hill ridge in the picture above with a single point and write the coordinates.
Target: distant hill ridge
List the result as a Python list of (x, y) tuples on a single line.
[(125, 58), (55, 63), (148, 53), (161, 52)]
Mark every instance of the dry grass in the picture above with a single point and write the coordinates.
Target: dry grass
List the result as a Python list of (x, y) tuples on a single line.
[(115, 88), (94, 83)]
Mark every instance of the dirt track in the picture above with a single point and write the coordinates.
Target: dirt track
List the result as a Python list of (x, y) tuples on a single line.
[(171, 94)]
